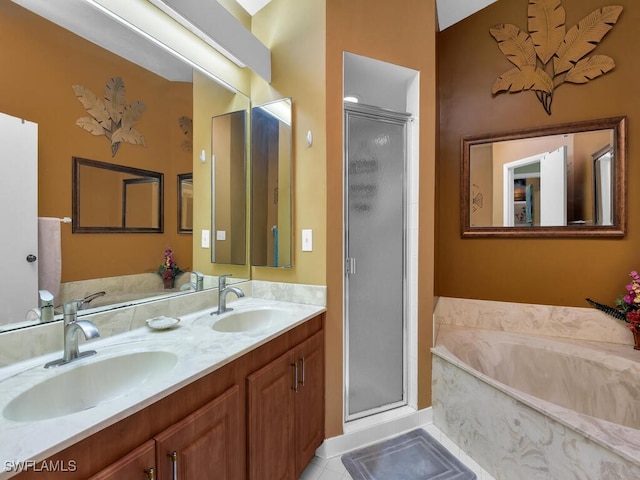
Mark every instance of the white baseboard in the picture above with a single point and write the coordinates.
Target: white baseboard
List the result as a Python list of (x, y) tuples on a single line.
[(369, 430)]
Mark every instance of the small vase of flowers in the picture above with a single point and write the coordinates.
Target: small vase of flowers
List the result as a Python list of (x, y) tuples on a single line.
[(169, 269), (627, 307)]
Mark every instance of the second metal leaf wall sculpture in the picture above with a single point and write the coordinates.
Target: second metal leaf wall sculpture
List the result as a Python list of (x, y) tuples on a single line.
[(548, 55), (111, 117)]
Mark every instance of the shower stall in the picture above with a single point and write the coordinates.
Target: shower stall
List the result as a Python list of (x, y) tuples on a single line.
[(376, 260)]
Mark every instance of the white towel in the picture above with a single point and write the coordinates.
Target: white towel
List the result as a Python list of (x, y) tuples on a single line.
[(49, 255)]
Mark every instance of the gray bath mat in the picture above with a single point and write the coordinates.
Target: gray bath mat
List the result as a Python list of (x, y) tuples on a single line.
[(413, 456)]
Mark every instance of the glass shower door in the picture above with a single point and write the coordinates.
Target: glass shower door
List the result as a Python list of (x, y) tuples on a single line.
[(375, 240)]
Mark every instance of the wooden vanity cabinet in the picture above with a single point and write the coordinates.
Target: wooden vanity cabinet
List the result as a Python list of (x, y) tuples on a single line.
[(286, 412), (137, 465), (206, 444), (209, 422)]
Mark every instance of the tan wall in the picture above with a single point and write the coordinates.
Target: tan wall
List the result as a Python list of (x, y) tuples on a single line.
[(295, 33), (403, 36), (557, 271), (40, 64), (212, 100)]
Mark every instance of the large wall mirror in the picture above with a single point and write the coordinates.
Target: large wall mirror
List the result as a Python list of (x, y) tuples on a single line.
[(229, 192), (271, 173), (559, 181), (110, 198), (74, 59)]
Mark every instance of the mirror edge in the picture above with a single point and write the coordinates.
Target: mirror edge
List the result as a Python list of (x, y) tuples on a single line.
[(619, 229)]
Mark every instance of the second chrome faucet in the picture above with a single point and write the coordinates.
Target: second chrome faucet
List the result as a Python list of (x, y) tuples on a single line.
[(223, 291)]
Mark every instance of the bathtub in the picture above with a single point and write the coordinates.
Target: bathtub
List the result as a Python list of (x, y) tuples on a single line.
[(533, 407)]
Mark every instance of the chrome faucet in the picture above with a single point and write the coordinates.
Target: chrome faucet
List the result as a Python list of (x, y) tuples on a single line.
[(223, 291), (72, 327), (45, 306), (198, 285)]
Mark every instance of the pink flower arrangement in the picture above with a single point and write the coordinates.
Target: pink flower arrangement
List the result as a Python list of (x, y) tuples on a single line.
[(627, 305), (169, 268)]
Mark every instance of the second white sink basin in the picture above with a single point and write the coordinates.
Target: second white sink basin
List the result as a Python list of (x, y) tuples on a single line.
[(253, 319), (78, 388)]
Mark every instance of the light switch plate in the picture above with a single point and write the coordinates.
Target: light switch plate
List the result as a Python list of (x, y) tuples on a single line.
[(205, 242), (221, 234), (307, 240)]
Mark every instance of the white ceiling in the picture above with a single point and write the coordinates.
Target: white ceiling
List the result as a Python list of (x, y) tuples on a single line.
[(452, 11), (449, 11), (77, 16)]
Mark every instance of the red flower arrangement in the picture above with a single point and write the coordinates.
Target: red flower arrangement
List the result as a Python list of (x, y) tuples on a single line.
[(169, 268)]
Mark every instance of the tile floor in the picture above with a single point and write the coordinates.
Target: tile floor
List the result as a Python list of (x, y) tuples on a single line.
[(333, 469)]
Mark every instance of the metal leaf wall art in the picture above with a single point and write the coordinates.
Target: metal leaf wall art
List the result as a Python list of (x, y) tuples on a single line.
[(111, 116), (548, 55)]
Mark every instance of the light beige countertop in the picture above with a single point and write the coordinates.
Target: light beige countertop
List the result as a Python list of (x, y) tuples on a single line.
[(200, 350)]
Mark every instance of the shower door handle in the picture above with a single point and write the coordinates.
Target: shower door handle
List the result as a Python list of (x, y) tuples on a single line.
[(351, 266)]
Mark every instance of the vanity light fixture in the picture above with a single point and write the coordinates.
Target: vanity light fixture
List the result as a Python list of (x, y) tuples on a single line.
[(160, 44), (214, 25)]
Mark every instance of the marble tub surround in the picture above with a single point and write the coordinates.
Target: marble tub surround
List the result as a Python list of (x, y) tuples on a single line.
[(542, 408), (555, 321), (199, 349), (22, 344)]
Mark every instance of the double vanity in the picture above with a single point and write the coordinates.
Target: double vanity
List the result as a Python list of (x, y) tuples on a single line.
[(240, 394)]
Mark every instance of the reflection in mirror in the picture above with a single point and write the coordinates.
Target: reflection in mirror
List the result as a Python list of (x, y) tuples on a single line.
[(564, 180), (64, 59), (229, 193), (110, 198), (185, 203), (602, 183), (271, 172)]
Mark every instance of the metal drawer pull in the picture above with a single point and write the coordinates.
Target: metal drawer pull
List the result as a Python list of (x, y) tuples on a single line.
[(295, 376), (302, 368), (174, 461), (151, 474)]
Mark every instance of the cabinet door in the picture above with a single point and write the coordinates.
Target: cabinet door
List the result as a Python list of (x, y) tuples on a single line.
[(271, 441), (206, 444), (309, 400), (138, 465)]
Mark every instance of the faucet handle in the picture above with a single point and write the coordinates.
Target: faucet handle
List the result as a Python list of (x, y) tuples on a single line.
[(45, 298), (71, 307), (222, 281)]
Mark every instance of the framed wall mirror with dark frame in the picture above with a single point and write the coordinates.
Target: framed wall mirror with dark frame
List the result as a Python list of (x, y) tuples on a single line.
[(110, 198), (185, 203), (566, 180)]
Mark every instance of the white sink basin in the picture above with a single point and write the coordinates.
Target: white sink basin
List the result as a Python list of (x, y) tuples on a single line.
[(247, 320), (74, 389)]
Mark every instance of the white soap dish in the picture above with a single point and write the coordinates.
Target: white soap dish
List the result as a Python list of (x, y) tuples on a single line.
[(162, 323)]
